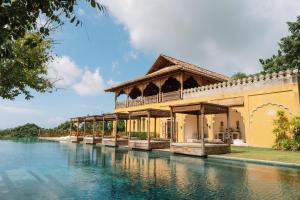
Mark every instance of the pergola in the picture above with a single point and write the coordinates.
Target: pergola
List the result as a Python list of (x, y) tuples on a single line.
[(149, 113), (115, 117), (200, 110), (88, 118)]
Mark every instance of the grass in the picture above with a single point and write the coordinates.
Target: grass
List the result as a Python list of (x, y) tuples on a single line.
[(264, 154)]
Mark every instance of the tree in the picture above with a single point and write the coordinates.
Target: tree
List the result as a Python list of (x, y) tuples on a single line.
[(26, 69), (21, 34), (288, 56), (238, 75)]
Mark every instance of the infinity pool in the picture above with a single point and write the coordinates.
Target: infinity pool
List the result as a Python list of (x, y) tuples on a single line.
[(50, 170)]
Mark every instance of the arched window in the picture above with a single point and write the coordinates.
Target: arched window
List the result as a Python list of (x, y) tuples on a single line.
[(170, 85), (135, 93), (190, 83), (150, 90), (121, 96)]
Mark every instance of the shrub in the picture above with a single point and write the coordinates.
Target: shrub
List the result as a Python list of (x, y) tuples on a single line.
[(282, 127)]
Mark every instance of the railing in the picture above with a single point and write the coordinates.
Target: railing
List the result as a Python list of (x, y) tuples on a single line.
[(135, 102), (121, 104), (151, 99), (170, 96)]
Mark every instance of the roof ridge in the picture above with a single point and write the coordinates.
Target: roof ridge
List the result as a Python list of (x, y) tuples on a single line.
[(167, 57)]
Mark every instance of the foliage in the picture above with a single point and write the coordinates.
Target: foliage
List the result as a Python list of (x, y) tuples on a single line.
[(288, 55), (239, 75), (26, 69), (287, 132), (142, 135), (24, 43), (24, 131)]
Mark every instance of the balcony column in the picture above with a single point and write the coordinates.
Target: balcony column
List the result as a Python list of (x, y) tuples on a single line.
[(115, 100), (181, 85)]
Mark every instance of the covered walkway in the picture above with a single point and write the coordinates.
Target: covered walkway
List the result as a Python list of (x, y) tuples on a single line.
[(198, 148), (150, 143)]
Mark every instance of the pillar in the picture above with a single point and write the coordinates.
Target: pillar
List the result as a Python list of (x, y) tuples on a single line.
[(202, 133), (84, 128), (129, 126), (171, 136), (155, 127), (148, 129), (227, 130), (116, 130), (77, 133), (198, 127), (70, 134), (181, 85), (93, 128)]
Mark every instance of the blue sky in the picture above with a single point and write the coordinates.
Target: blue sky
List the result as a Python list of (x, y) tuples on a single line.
[(123, 43)]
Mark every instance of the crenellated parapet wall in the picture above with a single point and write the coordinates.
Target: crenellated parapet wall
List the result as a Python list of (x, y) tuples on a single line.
[(255, 82)]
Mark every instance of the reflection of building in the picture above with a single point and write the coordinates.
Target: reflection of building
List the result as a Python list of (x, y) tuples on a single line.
[(252, 102)]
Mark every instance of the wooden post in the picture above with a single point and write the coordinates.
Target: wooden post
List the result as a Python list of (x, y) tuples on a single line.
[(174, 128), (70, 134), (93, 129), (228, 132), (202, 133), (129, 127), (116, 130), (155, 127), (115, 100), (125, 126), (198, 127), (77, 133), (84, 128), (181, 85), (148, 129), (103, 127), (171, 136)]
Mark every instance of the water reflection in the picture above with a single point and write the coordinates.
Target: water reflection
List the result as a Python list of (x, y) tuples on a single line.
[(73, 171), (174, 176)]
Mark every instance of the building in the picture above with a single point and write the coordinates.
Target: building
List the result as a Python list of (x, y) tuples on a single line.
[(252, 102)]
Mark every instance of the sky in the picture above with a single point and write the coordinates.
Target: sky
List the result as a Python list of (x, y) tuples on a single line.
[(122, 43)]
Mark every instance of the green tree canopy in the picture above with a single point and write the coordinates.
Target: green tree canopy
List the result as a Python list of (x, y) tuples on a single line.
[(288, 55), (238, 75), (26, 68), (25, 45)]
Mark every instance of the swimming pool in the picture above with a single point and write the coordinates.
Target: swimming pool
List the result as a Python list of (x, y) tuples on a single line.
[(52, 170)]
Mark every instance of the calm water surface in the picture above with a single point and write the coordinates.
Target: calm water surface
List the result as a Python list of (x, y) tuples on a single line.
[(49, 170)]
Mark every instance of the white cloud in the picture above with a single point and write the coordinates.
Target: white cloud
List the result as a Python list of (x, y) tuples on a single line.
[(226, 36), (63, 70), (81, 12), (111, 82), (91, 83), (69, 75), (55, 120)]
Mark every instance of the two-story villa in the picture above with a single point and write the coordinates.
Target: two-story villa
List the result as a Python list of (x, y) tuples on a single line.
[(173, 84)]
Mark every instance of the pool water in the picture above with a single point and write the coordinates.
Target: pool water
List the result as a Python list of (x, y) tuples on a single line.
[(52, 170)]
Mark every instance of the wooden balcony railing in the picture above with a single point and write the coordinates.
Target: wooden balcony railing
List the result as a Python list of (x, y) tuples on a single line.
[(151, 99), (170, 96), (121, 104), (135, 102)]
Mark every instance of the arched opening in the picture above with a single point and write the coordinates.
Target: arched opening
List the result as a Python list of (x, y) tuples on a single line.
[(135, 93), (121, 96), (190, 83), (151, 89), (170, 85)]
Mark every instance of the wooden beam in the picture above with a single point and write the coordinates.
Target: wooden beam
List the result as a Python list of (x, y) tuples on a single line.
[(70, 134), (171, 136), (84, 128), (129, 127)]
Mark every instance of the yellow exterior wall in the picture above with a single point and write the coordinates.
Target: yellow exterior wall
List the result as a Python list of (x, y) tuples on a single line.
[(257, 112)]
